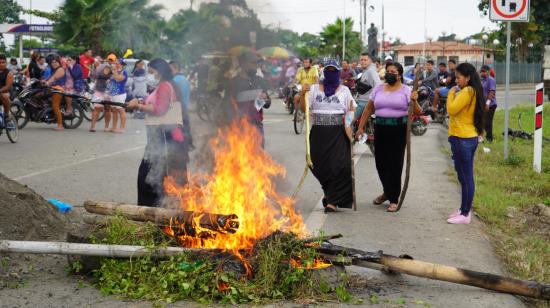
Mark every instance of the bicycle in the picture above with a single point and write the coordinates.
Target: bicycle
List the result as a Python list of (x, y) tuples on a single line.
[(9, 124)]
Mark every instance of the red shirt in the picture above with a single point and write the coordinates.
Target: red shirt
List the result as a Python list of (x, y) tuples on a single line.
[(86, 61)]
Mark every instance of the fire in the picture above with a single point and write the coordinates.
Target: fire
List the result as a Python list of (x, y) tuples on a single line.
[(241, 183), (317, 263)]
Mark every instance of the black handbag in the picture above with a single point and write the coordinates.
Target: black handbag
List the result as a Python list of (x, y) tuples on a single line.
[(362, 87)]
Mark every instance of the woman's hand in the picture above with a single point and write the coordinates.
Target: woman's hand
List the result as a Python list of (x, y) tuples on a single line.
[(360, 132), (414, 96), (133, 104)]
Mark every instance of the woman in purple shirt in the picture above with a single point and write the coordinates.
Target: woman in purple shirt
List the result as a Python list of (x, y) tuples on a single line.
[(389, 102)]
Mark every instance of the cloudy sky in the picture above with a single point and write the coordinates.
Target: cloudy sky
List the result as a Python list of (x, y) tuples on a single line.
[(403, 18)]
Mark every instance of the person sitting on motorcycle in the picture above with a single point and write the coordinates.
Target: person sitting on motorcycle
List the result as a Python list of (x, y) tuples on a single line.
[(368, 81), (57, 82), (347, 76), (306, 76), (450, 82), (6, 82), (430, 79)]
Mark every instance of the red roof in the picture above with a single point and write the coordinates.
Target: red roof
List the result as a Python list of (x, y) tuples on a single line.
[(437, 46)]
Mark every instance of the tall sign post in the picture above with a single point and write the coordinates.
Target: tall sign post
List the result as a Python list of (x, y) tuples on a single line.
[(508, 11), (537, 150)]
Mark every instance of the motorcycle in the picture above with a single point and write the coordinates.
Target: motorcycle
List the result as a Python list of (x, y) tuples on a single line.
[(34, 104), (18, 85), (290, 92)]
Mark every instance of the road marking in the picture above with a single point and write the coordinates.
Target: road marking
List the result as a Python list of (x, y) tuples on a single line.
[(30, 175), (317, 218)]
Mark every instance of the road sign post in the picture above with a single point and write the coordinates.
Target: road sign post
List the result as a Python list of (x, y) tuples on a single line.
[(537, 151), (508, 11)]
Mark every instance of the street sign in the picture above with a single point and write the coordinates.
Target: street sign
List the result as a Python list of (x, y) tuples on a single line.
[(537, 152), (509, 10), (25, 28)]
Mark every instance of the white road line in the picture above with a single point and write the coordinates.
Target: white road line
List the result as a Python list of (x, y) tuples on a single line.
[(78, 163), (317, 218)]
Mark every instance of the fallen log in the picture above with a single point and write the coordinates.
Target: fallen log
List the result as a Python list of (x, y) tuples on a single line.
[(97, 250), (407, 265), (183, 222)]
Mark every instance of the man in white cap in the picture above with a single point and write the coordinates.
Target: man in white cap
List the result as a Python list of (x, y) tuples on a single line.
[(382, 70)]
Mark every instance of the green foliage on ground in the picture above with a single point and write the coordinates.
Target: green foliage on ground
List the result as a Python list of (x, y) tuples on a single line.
[(201, 278), (506, 191)]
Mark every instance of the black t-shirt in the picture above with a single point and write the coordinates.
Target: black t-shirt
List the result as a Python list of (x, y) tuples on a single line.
[(4, 77), (34, 70), (245, 91), (453, 80)]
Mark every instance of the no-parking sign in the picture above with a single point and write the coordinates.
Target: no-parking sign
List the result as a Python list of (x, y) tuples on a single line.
[(509, 10)]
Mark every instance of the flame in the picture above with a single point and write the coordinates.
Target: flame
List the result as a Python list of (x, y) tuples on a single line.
[(241, 183), (317, 263), (223, 286)]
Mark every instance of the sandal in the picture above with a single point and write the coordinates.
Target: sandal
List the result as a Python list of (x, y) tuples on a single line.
[(392, 208), (380, 199), (330, 209)]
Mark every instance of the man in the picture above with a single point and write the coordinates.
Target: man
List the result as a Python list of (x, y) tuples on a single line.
[(183, 84), (86, 61), (6, 82), (450, 82), (370, 79), (213, 79), (347, 76), (430, 77), (14, 67), (489, 90), (248, 92), (442, 74), (306, 76), (357, 69)]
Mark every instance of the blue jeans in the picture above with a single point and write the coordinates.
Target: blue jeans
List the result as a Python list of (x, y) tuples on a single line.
[(444, 91), (361, 104), (463, 150)]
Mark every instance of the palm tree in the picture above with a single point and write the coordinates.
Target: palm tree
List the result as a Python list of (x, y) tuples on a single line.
[(332, 35)]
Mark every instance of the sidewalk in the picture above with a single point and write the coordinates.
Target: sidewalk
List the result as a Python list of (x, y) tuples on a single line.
[(420, 230)]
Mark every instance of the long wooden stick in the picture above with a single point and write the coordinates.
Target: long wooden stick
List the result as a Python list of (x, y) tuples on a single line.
[(182, 219), (434, 271), (97, 250), (309, 163)]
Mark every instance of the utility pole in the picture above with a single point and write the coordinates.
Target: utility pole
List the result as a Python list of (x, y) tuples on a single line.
[(344, 33), (365, 4)]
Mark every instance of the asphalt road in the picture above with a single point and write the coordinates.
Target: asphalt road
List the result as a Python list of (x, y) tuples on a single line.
[(76, 165)]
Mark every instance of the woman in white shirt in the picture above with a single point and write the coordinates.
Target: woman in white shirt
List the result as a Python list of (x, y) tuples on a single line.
[(332, 107)]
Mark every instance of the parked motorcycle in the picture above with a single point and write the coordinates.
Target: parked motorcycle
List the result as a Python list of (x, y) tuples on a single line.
[(18, 85), (34, 104)]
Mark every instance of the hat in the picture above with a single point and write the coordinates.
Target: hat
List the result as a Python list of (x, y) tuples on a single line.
[(485, 68), (388, 58), (332, 63), (111, 57)]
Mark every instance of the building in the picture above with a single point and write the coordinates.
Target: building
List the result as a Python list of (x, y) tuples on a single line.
[(441, 51)]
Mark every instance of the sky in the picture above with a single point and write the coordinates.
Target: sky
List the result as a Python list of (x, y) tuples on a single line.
[(404, 19)]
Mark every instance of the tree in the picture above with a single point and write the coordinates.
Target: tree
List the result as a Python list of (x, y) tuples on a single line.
[(446, 38), (9, 12), (332, 36)]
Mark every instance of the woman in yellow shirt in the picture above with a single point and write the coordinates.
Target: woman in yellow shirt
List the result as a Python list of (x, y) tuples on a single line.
[(465, 104)]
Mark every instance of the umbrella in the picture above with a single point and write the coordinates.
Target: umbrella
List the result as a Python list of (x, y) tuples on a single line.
[(238, 50), (275, 52)]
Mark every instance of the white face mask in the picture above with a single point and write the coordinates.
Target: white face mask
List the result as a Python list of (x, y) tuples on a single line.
[(152, 80)]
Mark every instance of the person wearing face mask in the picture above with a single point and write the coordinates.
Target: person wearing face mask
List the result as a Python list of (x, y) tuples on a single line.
[(248, 93), (332, 107), (466, 107), (390, 102), (167, 150)]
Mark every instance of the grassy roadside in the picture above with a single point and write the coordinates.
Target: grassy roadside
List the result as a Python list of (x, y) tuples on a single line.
[(507, 195)]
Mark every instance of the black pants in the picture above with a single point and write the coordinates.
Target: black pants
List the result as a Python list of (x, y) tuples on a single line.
[(163, 157), (489, 115), (389, 143)]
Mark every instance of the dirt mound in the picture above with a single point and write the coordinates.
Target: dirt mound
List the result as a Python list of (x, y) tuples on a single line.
[(25, 215)]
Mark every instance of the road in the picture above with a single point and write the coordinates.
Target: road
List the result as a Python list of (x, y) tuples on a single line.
[(77, 165)]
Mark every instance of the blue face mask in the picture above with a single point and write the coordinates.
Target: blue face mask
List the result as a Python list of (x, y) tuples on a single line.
[(331, 81)]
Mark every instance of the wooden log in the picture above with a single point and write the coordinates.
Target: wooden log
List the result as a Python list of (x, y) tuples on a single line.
[(321, 238), (434, 271), (182, 221), (97, 250)]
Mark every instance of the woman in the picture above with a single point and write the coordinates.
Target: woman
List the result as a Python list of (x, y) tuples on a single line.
[(33, 71), (166, 153), (139, 80), (465, 106), (117, 91), (389, 102), (75, 71), (57, 82), (330, 138), (102, 78)]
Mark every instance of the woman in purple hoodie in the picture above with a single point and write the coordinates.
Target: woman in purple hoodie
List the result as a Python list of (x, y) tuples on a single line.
[(389, 102)]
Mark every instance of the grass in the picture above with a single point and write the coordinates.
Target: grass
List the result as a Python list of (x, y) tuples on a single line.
[(506, 190)]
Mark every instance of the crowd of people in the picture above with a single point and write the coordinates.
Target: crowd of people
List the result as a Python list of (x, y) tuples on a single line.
[(341, 94)]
